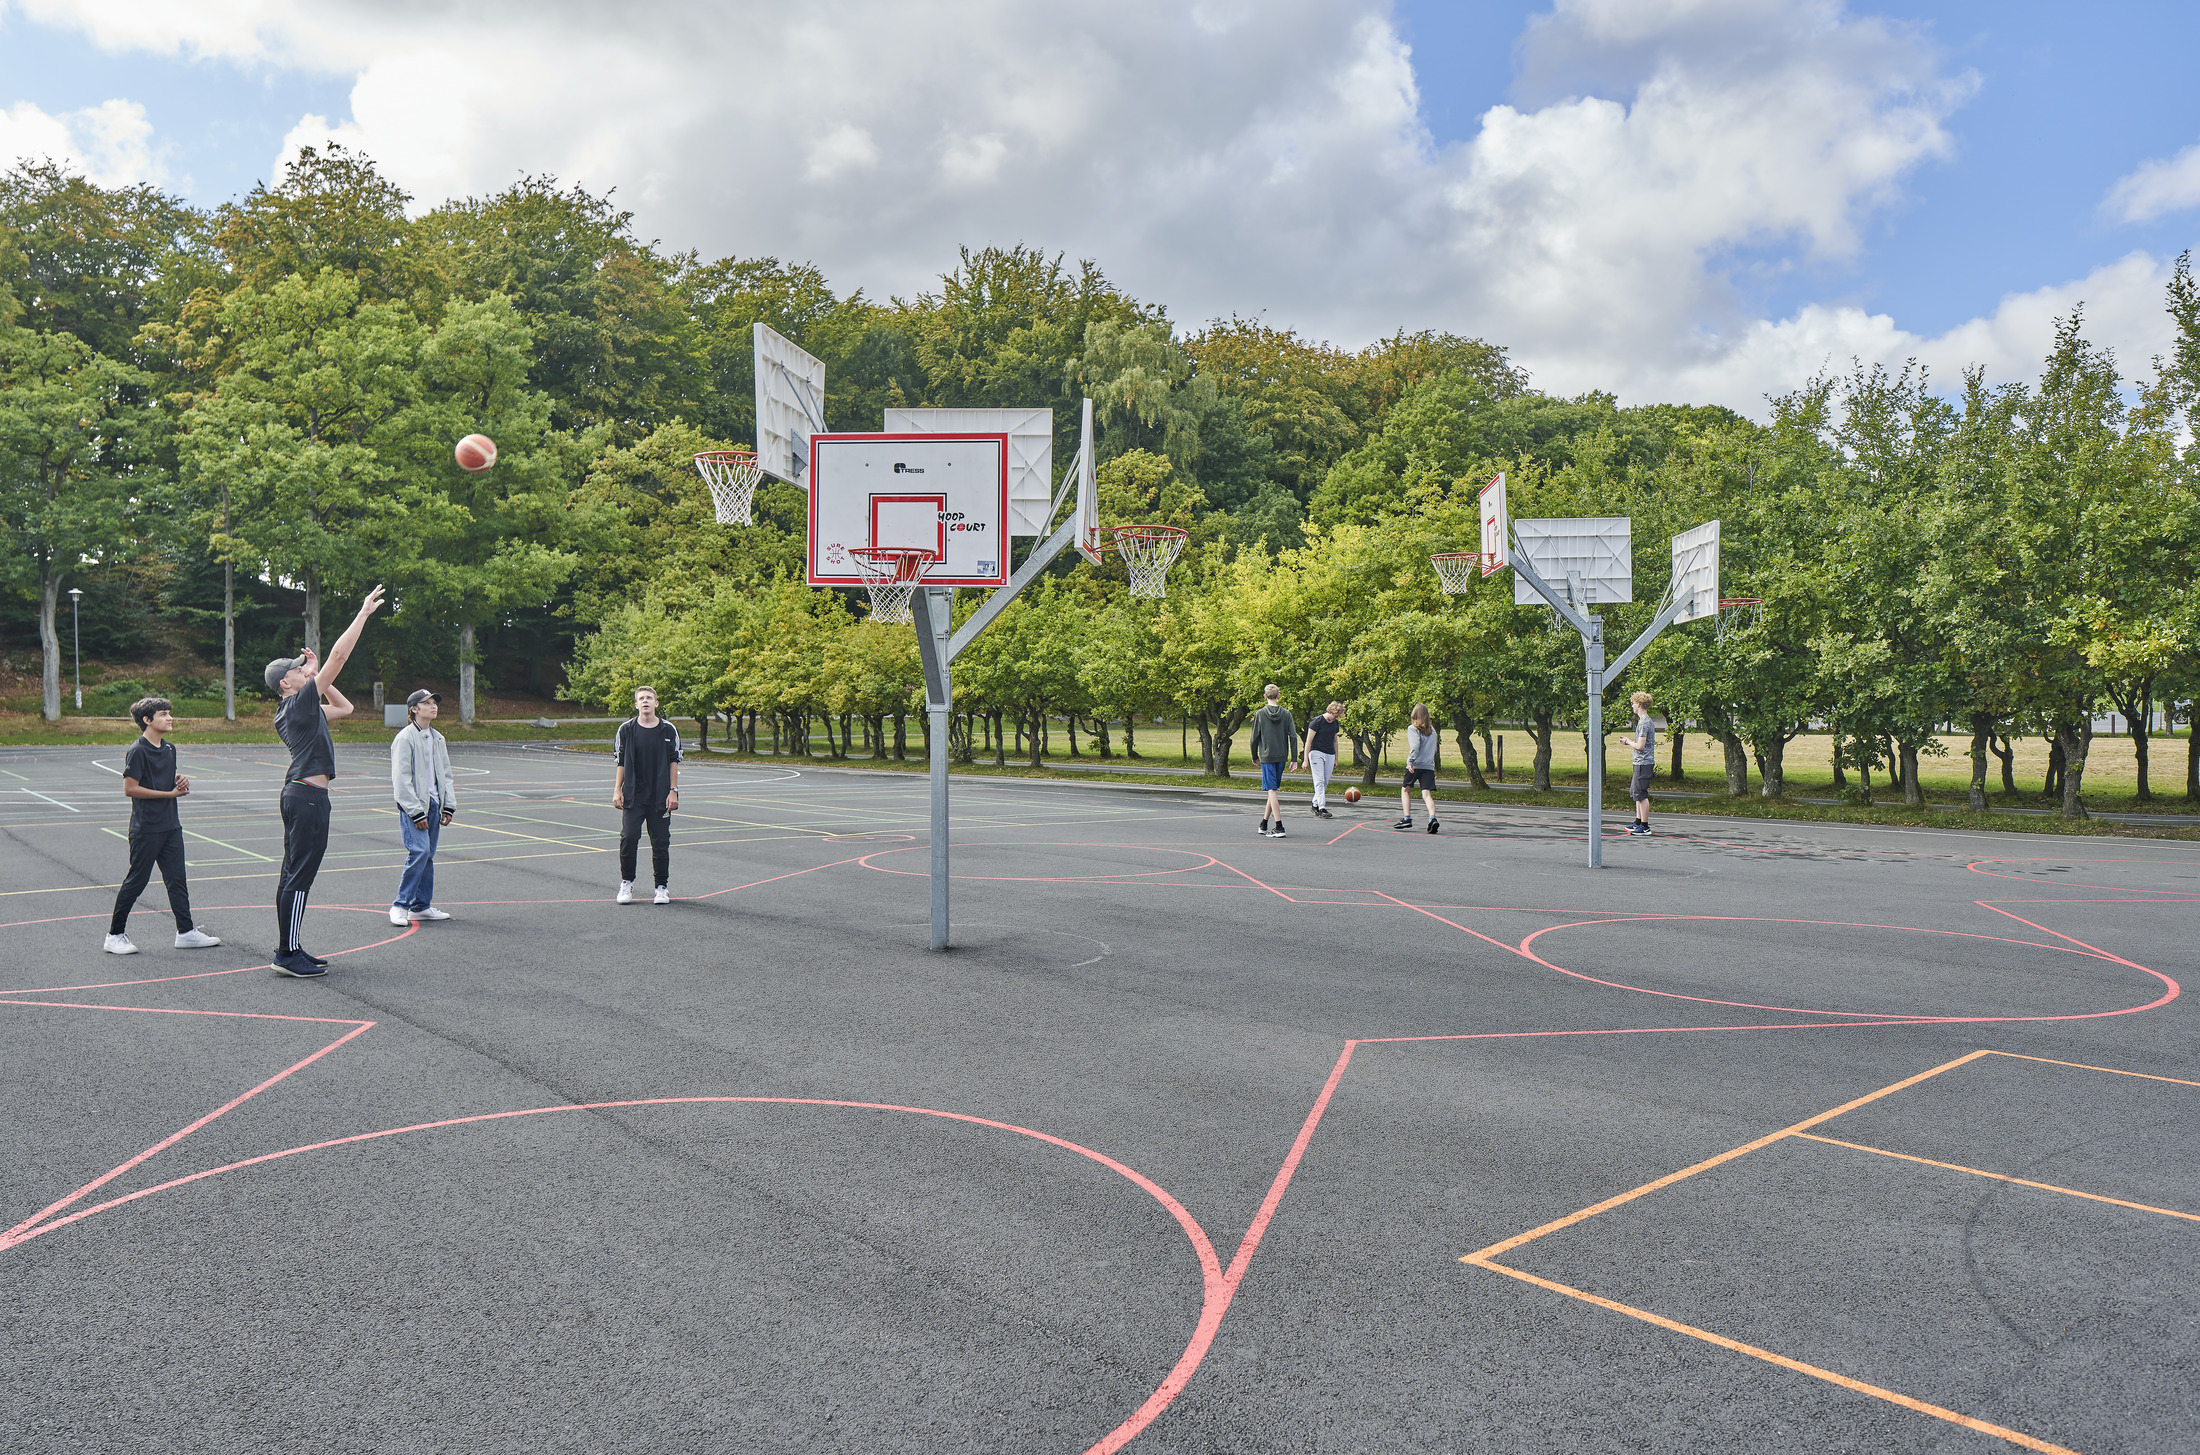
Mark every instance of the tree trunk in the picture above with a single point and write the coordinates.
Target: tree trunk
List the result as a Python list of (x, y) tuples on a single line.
[(1038, 739), (1367, 756), (847, 733), (313, 611), (2192, 754), (1771, 751), (1864, 781), (1000, 742), (2004, 747), (1206, 746), (1462, 728), (49, 641), (1982, 735), (702, 732), (1539, 728), (1911, 795), (1226, 726), (1130, 734), (901, 735), (2073, 737), (1840, 765), (229, 640), (1677, 775), (465, 673), (1069, 728), (2055, 760), (1489, 749), (1100, 741)]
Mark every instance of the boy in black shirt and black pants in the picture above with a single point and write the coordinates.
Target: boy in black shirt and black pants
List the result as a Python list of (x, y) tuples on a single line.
[(645, 788), (302, 723), (150, 782)]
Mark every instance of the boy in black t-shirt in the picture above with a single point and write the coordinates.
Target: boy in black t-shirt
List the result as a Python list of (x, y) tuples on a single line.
[(150, 782), (1320, 752), (645, 788), (301, 721)]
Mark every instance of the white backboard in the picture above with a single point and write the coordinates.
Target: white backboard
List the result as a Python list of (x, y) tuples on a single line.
[(944, 493), (1696, 572), (1595, 548), (790, 406), (1494, 556), (1030, 453), (1088, 492)]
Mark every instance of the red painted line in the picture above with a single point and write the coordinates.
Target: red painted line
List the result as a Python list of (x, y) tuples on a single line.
[(1644, 1031), (1234, 869), (251, 1015), (1210, 1317), (1212, 862), (1352, 830), (410, 929), (28, 1228)]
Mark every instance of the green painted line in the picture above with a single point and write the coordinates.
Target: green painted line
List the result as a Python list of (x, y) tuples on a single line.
[(232, 848)]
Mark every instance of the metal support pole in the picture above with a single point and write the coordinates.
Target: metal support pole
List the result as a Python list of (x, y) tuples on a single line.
[(934, 612), (76, 645), (1593, 647)]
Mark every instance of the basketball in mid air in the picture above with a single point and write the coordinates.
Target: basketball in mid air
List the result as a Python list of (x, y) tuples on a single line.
[(475, 453), (1352, 795)]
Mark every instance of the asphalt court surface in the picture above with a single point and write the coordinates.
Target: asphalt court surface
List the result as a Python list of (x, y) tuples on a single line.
[(1765, 1137)]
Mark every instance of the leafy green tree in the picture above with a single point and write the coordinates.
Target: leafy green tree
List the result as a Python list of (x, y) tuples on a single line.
[(70, 432)]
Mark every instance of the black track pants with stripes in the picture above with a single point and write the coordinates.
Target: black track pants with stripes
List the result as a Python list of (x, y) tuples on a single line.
[(305, 840)]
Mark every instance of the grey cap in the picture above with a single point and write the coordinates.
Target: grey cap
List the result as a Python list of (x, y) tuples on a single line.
[(423, 695), (279, 669)]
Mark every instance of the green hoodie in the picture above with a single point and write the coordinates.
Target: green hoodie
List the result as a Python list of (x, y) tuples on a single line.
[(1275, 736)]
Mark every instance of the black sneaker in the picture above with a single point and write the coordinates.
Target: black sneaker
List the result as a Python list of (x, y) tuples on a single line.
[(1638, 830), (1432, 826), (1404, 825), (1264, 828), (1277, 832), (299, 964), (1323, 813)]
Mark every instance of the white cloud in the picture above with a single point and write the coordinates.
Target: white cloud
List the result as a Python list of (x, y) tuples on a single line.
[(111, 143), (2157, 188), (1215, 155)]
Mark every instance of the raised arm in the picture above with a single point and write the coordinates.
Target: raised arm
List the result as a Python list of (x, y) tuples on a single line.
[(339, 654)]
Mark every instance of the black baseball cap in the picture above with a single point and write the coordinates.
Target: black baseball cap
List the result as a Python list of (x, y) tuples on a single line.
[(423, 695)]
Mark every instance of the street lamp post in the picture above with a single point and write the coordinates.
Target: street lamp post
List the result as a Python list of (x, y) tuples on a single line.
[(76, 645)]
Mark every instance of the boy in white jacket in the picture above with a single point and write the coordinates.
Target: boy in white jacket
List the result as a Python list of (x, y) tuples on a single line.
[(427, 799)]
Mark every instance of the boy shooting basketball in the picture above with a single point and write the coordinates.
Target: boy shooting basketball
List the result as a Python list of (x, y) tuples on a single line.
[(301, 721)]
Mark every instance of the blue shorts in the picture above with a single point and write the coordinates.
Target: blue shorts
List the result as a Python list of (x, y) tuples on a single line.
[(1271, 775)]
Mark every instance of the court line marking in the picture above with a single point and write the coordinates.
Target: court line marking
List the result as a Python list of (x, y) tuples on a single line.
[(2002, 1177), (57, 803), (1984, 1427)]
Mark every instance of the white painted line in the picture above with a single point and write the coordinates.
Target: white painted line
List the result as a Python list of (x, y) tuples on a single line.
[(57, 803)]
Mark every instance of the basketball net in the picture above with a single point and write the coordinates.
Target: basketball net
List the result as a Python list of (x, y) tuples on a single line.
[(891, 574), (1738, 614), (1456, 570), (731, 476), (1149, 551)]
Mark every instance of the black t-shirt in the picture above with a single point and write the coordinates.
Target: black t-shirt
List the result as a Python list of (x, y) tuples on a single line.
[(154, 768), (647, 754), (303, 727), (1324, 729)]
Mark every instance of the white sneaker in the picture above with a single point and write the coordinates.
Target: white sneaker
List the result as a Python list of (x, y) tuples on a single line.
[(626, 891), (120, 945), (431, 912), (196, 939), (664, 896), (399, 915)]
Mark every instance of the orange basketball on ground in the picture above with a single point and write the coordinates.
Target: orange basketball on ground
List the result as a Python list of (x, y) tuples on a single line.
[(475, 453), (1352, 795)]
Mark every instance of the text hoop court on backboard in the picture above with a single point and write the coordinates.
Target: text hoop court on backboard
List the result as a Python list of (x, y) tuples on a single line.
[(945, 494)]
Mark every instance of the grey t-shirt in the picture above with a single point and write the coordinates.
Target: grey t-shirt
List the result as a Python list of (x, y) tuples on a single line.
[(1421, 747), (1646, 733)]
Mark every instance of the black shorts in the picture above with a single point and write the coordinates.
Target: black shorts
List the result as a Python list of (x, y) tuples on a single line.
[(1421, 778), (1639, 788)]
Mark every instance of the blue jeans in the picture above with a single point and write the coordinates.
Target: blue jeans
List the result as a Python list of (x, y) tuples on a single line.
[(416, 890)]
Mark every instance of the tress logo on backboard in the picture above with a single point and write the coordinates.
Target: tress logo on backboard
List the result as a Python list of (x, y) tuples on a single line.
[(901, 469)]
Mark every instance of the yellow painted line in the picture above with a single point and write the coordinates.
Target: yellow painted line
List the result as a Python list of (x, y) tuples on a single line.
[(538, 838), (1940, 1412), (233, 848), (2081, 1066), (2004, 1177), (1499, 1249)]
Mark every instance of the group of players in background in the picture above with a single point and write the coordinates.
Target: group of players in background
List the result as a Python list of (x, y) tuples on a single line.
[(645, 788)]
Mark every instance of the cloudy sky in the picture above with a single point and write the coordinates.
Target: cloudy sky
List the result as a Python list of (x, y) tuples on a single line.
[(1692, 200)]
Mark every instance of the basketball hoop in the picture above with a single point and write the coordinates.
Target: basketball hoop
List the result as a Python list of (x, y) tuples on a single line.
[(1456, 570), (731, 476), (891, 574), (1149, 551), (1738, 614)]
